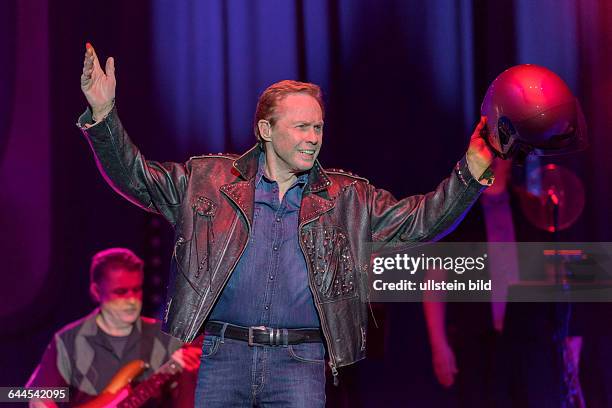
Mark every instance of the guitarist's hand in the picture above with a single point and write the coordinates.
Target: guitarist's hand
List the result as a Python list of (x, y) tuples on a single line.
[(188, 357)]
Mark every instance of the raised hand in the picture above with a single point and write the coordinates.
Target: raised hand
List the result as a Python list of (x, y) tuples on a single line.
[(479, 155), (98, 86)]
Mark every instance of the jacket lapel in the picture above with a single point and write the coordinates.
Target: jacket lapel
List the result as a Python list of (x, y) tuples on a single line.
[(242, 194), (313, 206), (315, 200), (242, 191)]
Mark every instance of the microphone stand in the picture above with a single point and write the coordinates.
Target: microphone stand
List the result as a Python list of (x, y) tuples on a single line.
[(563, 310)]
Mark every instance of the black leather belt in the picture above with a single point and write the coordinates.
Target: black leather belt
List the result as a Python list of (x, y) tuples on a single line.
[(263, 336)]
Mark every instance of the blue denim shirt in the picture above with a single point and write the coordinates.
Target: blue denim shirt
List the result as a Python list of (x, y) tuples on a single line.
[(269, 286)]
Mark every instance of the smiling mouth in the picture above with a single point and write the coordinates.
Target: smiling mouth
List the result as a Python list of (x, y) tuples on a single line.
[(307, 152)]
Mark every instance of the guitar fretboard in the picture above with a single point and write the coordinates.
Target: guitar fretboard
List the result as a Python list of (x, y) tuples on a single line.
[(151, 387)]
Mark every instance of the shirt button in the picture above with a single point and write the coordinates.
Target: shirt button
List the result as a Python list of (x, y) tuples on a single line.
[(267, 307), (275, 248), (271, 277), (278, 219)]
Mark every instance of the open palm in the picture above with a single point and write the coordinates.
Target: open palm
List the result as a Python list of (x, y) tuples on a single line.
[(98, 86)]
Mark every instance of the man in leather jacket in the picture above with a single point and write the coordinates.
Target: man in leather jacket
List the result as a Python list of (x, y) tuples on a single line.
[(214, 203)]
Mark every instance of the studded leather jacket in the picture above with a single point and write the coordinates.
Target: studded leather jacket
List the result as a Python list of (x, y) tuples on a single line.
[(209, 202)]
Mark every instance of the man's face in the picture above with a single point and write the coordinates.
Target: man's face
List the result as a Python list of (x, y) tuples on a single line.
[(120, 295), (296, 137)]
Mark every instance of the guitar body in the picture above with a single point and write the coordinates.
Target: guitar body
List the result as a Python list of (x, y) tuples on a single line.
[(119, 392), (119, 386)]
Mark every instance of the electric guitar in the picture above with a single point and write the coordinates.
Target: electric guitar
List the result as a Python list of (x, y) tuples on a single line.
[(120, 394)]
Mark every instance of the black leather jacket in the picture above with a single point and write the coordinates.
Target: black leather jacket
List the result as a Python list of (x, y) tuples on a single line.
[(209, 202)]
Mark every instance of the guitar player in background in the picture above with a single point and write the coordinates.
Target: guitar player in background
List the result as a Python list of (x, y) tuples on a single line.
[(85, 355)]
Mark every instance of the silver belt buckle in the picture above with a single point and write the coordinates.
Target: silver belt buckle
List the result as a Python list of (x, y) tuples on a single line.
[(251, 328)]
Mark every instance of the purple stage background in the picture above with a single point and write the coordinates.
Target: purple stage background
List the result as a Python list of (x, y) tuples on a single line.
[(403, 81)]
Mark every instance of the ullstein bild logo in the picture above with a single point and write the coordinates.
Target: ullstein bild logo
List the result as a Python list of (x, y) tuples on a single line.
[(413, 264), (431, 285)]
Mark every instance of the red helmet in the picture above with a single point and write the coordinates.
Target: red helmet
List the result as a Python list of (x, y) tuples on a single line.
[(530, 109)]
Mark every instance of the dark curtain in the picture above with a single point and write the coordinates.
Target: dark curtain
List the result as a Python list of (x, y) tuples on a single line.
[(8, 31)]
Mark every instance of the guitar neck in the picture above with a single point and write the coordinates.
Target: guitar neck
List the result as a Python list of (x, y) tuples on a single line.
[(151, 386)]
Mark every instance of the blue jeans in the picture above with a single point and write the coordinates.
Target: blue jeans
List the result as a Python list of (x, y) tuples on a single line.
[(234, 374)]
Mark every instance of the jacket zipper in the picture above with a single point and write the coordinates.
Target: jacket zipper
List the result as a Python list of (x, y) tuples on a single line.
[(326, 334)]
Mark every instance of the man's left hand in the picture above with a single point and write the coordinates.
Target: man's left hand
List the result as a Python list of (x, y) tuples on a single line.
[(188, 357), (479, 155)]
